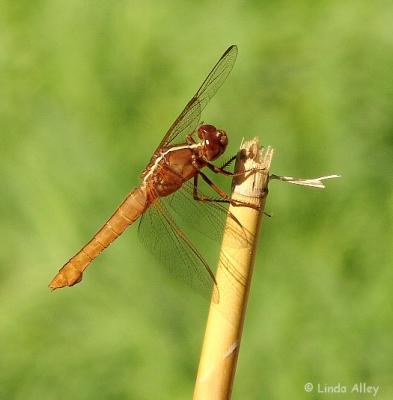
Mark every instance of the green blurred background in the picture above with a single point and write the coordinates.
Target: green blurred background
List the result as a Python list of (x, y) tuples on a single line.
[(88, 89)]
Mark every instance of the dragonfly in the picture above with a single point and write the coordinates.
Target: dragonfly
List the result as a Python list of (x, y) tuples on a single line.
[(170, 187)]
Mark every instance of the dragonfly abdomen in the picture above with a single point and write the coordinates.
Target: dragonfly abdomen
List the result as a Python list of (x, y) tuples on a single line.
[(126, 214)]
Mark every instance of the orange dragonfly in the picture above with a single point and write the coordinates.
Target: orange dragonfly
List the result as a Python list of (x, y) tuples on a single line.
[(169, 186)]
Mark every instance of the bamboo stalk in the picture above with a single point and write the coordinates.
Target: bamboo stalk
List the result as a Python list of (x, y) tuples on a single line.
[(225, 321)]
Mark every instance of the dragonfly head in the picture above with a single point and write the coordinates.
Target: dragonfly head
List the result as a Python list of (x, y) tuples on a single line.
[(214, 141)]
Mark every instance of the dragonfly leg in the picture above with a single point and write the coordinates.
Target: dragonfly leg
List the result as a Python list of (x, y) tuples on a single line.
[(229, 162), (220, 170), (223, 171), (224, 197)]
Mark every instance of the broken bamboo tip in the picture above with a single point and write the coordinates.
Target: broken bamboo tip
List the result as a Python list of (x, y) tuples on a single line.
[(254, 161), (225, 321)]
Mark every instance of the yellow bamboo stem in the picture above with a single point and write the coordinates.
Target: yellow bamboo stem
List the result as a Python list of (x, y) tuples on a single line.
[(225, 321)]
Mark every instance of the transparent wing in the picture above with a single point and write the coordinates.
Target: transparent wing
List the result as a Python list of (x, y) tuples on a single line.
[(169, 244), (209, 218), (189, 118), (213, 219)]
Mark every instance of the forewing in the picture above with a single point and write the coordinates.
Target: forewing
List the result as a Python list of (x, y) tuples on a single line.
[(189, 118), (168, 243)]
